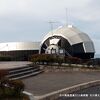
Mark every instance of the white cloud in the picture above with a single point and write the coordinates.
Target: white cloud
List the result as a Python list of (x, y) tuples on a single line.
[(49, 9), (39, 7), (89, 12)]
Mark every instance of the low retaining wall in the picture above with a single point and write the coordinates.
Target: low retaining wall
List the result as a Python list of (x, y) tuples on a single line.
[(69, 69), (54, 95)]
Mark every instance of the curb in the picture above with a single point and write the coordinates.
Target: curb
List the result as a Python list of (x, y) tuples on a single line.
[(54, 95)]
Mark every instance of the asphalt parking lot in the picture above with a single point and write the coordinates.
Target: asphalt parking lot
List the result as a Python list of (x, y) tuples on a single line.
[(48, 82), (91, 93)]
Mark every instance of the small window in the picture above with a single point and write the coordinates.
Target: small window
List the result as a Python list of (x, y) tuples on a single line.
[(53, 51)]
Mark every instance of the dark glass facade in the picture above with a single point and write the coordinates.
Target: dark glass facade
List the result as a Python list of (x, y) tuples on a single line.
[(76, 50), (19, 54)]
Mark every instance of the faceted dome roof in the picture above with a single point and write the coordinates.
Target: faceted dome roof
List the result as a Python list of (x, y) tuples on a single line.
[(73, 35)]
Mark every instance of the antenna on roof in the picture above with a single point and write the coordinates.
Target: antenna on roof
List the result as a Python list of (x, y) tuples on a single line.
[(52, 25), (66, 16)]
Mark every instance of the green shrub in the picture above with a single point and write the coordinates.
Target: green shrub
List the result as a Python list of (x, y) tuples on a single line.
[(5, 58), (11, 89)]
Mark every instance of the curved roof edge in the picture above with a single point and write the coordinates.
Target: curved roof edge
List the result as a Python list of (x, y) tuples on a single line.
[(13, 46), (68, 32)]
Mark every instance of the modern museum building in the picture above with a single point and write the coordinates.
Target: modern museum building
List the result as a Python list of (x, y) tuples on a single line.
[(66, 40)]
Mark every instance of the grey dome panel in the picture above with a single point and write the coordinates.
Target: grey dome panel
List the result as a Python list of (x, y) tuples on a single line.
[(88, 46)]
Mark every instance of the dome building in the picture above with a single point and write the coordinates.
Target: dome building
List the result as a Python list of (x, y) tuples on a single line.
[(66, 41), (69, 41)]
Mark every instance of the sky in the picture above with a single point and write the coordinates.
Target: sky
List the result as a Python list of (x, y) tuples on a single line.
[(28, 20)]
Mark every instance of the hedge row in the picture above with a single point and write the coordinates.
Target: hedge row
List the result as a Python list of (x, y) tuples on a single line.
[(5, 58), (50, 59)]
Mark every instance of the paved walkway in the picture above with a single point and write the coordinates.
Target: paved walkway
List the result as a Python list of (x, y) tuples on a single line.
[(13, 64), (48, 82)]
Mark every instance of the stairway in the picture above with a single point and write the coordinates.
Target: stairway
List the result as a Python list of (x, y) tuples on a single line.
[(22, 72)]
